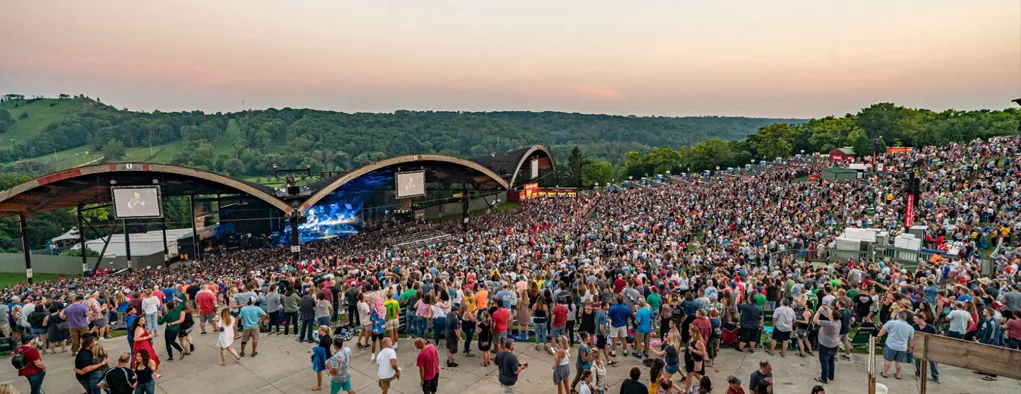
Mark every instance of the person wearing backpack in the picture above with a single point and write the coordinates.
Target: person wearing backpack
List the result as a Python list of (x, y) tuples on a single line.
[(29, 363)]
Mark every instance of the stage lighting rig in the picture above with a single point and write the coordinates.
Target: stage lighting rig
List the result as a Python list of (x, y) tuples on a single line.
[(291, 177)]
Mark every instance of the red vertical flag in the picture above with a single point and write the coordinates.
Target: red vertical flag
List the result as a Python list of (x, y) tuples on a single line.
[(909, 213)]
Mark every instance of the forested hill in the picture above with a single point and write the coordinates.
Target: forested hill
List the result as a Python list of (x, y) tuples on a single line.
[(46, 134), (611, 137)]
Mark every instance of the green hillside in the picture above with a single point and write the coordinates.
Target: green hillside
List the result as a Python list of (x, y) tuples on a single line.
[(41, 113), (57, 134)]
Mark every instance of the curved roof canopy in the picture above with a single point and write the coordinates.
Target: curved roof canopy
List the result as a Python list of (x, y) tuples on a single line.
[(91, 185), (441, 168), (509, 164)]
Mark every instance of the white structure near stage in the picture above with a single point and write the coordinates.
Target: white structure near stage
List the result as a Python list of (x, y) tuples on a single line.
[(146, 244), (859, 239), (876, 244)]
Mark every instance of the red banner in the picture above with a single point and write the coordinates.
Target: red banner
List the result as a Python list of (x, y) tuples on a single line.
[(909, 213), (531, 186)]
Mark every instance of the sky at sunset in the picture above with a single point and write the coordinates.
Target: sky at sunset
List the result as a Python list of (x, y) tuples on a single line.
[(753, 58)]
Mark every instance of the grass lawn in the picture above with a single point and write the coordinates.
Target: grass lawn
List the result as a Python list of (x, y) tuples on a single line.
[(157, 154), (166, 155), (268, 180), (40, 114), (8, 279), (506, 206), (67, 158)]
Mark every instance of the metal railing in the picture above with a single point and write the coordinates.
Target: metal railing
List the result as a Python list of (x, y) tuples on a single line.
[(907, 258), (421, 242), (988, 265)]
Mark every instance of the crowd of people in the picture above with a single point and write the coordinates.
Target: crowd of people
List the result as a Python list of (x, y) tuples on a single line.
[(666, 273)]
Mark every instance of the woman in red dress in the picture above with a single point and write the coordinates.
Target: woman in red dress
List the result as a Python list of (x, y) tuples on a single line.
[(143, 340)]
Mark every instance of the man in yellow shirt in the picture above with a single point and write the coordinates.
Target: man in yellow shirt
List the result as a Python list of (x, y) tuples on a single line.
[(393, 314)]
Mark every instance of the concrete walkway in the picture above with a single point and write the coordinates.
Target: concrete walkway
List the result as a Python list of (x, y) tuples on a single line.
[(283, 366)]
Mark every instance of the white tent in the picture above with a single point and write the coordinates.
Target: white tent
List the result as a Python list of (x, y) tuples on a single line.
[(70, 235)]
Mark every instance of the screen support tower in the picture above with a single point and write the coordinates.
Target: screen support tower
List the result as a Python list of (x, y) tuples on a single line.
[(465, 202), (291, 177), (1018, 101)]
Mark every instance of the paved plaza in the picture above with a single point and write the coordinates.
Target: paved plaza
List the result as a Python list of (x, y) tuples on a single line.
[(283, 366)]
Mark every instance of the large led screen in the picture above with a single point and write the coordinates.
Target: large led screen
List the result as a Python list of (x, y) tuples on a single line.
[(410, 184), (339, 213), (137, 202), (535, 169)]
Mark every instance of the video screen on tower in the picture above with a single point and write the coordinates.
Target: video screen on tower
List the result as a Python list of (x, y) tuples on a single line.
[(410, 184), (137, 202), (535, 168)]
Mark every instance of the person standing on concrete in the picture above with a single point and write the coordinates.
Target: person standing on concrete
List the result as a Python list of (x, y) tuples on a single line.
[(340, 367), (173, 320), (734, 385), (509, 366), (387, 369), (829, 342), (251, 316), (307, 310), (351, 296), (428, 362), (846, 321), (76, 315), (924, 327), (274, 305), (85, 365), (453, 335), (898, 345), (619, 315), (33, 368), (121, 380), (783, 325), (751, 322), (632, 385), (292, 304), (764, 373), (206, 302), (150, 307), (643, 329), (393, 314)]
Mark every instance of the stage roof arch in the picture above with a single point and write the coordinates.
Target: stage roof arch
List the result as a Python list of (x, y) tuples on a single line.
[(508, 164), (91, 184), (485, 175)]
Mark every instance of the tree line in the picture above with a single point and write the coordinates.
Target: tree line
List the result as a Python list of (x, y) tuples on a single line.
[(872, 129), (250, 143)]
